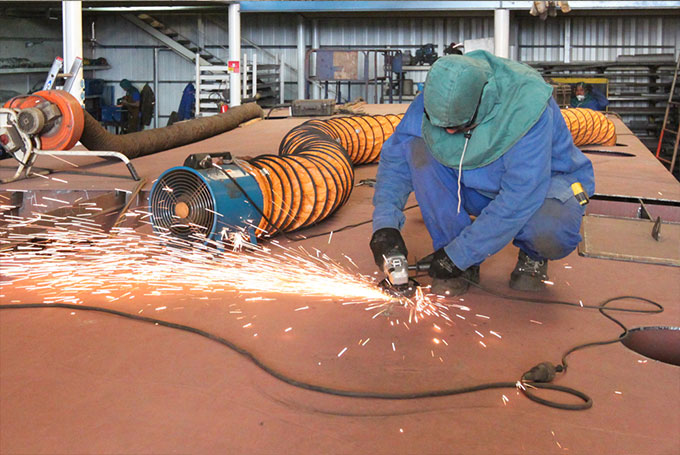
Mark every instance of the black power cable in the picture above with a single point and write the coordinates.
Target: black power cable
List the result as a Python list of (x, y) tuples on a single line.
[(340, 229), (537, 378)]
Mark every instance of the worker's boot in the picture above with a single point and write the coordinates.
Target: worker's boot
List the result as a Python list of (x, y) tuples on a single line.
[(529, 275), (455, 286)]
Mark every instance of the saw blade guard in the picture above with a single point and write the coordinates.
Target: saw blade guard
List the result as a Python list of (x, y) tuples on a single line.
[(65, 130)]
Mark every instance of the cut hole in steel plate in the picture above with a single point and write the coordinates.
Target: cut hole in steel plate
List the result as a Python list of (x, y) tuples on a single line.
[(658, 343), (608, 153)]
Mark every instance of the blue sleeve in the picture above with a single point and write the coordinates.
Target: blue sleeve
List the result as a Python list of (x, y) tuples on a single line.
[(601, 101), (523, 188), (568, 163), (393, 182)]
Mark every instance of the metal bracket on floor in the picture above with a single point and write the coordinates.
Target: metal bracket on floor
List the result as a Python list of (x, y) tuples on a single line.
[(26, 168), (100, 153), (643, 212)]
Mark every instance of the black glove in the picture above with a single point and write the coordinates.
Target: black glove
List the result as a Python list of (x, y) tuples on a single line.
[(385, 241), (442, 266)]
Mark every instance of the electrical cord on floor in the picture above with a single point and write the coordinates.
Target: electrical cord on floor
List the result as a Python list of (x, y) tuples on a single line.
[(343, 228), (538, 377)]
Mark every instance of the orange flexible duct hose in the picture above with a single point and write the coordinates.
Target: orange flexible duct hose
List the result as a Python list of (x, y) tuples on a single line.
[(313, 175), (589, 127)]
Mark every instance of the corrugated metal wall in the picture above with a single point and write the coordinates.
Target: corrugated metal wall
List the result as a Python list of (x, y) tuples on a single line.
[(130, 51), (597, 38)]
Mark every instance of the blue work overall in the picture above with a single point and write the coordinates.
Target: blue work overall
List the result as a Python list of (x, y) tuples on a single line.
[(524, 196)]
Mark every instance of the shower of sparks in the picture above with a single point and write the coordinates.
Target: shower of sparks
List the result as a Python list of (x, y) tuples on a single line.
[(67, 259), (73, 259)]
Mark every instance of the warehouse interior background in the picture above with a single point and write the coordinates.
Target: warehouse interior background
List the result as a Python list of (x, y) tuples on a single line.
[(589, 41), (196, 277)]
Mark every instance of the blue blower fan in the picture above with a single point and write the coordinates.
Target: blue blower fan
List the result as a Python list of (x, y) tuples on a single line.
[(210, 197)]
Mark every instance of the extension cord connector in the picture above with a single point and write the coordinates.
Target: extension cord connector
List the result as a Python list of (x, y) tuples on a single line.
[(543, 372)]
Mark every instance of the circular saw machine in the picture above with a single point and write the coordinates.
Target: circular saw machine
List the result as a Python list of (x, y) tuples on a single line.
[(48, 122)]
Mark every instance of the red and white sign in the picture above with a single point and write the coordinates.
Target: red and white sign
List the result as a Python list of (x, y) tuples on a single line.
[(233, 66)]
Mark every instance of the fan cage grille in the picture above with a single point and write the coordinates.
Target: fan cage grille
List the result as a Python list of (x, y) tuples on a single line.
[(174, 188)]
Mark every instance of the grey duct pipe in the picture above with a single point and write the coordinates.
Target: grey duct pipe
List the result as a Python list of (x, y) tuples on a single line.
[(142, 143)]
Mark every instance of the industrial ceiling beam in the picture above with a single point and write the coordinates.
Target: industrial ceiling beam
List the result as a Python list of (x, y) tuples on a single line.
[(274, 6)]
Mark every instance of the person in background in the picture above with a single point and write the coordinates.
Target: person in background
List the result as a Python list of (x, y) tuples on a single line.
[(131, 103), (487, 139), (586, 96)]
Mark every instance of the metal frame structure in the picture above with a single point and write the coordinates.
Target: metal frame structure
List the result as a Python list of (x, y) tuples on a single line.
[(367, 6)]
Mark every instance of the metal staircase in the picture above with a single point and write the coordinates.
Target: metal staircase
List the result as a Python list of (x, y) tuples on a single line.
[(173, 39), (212, 75)]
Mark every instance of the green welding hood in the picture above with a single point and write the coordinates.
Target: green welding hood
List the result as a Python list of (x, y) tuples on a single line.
[(504, 99)]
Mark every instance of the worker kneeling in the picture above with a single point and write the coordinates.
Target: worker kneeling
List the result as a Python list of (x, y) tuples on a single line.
[(486, 139)]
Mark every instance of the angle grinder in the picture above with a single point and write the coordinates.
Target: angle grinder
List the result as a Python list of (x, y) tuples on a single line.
[(397, 281)]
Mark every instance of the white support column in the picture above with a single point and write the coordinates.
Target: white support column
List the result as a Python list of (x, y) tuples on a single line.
[(235, 53), (301, 47), (567, 40), (439, 36), (244, 75), (316, 88), (254, 73), (501, 32), (282, 81), (197, 98), (72, 30)]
